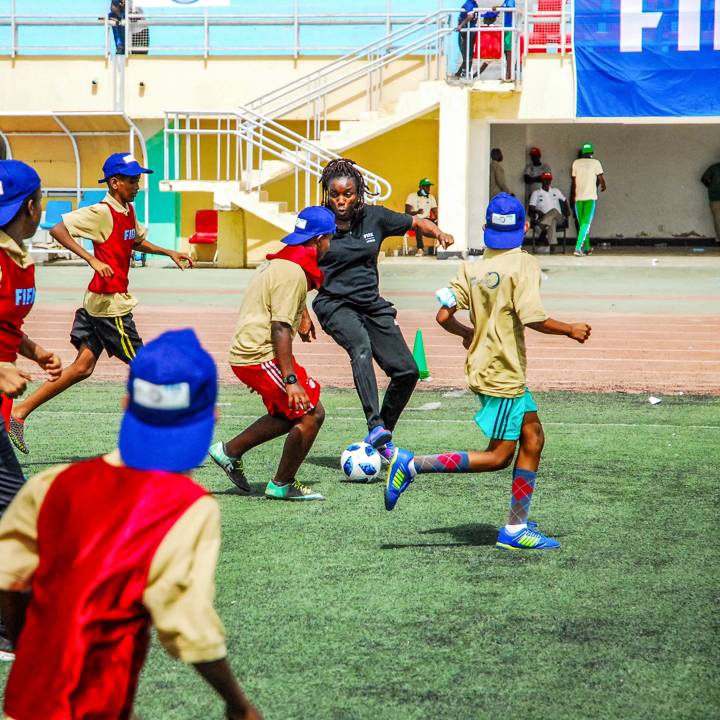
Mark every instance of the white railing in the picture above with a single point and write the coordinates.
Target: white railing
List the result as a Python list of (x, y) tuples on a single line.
[(234, 147), (202, 33)]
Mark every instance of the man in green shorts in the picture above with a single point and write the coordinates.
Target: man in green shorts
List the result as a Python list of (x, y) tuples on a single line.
[(502, 293), (508, 24), (587, 176)]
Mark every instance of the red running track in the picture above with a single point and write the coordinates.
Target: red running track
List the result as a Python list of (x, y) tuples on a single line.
[(651, 353)]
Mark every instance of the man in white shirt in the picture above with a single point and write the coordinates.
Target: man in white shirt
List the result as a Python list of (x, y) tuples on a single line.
[(587, 176), (423, 204), (547, 207)]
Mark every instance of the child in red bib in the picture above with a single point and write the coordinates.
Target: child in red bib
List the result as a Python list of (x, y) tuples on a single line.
[(111, 545), (20, 210), (105, 320)]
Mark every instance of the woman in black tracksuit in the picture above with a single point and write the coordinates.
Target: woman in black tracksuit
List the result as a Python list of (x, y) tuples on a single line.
[(349, 307)]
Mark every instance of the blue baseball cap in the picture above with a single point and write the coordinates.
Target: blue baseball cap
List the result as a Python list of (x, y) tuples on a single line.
[(17, 182), (122, 164), (504, 222), (172, 388), (311, 222)]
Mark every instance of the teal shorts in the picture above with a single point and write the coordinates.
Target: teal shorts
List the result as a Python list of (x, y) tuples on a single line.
[(502, 418)]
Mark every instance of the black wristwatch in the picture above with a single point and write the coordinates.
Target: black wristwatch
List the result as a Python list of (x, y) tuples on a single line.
[(291, 379)]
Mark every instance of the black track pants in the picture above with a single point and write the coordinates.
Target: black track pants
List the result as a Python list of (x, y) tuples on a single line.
[(375, 336), (11, 475)]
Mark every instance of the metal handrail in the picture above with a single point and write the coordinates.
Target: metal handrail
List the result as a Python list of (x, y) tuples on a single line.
[(255, 139), (380, 45)]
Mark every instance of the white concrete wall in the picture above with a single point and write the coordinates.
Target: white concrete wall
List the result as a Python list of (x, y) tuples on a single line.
[(37, 84), (652, 171)]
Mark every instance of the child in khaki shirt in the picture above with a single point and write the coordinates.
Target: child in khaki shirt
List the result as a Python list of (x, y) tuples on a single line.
[(105, 320), (261, 358), (502, 293)]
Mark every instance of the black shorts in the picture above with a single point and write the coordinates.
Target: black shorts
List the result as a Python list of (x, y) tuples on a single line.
[(118, 336)]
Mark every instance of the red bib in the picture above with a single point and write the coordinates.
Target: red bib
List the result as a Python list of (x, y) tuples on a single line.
[(117, 252), (86, 631), (17, 295)]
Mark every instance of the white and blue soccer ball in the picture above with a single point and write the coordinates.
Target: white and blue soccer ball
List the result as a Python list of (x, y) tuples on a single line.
[(360, 462)]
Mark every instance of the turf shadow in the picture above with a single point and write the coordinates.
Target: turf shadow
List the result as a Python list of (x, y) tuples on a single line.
[(476, 535), (326, 461)]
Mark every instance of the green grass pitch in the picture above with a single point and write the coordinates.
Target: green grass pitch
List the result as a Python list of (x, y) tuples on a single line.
[(340, 610)]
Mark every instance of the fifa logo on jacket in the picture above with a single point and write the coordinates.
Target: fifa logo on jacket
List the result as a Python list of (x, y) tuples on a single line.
[(24, 296), (129, 234)]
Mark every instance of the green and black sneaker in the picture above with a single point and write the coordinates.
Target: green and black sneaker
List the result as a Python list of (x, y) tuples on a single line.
[(291, 491), (233, 467)]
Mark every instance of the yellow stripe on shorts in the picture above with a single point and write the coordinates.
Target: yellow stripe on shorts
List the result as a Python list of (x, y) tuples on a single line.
[(124, 339)]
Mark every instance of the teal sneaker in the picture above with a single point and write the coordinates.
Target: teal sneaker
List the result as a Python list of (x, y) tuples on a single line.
[(525, 539), (292, 491), (398, 477), (233, 467)]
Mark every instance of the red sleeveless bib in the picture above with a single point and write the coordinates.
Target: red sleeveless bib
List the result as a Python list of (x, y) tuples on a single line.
[(116, 251), (17, 295)]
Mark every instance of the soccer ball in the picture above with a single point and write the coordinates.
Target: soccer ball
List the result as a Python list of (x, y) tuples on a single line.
[(360, 462)]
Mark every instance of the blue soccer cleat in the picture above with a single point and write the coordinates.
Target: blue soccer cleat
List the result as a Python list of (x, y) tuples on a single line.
[(399, 477), (378, 437), (526, 539)]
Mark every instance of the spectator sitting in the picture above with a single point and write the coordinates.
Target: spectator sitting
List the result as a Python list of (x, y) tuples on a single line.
[(424, 205), (534, 170), (497, 174), (548, 206)]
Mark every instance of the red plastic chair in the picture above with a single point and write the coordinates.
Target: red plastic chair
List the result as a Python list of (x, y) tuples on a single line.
[(206, 228)]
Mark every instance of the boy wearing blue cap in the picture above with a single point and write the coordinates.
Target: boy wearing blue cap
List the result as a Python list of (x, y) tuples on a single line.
[(105, 320), (261, 357), (126, 540), (20, 209), (502, 293)]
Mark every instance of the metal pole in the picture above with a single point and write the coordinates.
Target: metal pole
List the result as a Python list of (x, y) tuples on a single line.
[(176, 141), (76, 153), (296, 31), (206, 33), (13, 31), (166, 159)]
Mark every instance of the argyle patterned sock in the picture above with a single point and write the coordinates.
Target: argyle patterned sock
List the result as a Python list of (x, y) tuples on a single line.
[(523, 486)]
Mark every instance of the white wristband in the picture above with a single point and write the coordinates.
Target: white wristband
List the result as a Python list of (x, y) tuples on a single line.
[(446, 297)]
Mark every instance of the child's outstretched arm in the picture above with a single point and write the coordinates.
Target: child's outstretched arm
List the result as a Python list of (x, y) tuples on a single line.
[(575, 331), (60, 233), (448, 322)]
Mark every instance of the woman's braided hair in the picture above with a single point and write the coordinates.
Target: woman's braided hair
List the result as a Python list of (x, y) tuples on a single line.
[(345, 168)]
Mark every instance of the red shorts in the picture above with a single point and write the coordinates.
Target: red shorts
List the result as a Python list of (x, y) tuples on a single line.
[(267, 381)]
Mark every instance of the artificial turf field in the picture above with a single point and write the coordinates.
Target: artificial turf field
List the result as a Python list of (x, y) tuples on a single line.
[(342, 610)]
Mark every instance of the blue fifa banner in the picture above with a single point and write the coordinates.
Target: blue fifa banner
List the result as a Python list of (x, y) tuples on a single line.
[(647, 58)]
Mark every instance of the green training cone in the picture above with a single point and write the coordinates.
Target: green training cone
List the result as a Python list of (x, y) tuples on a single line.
[(419, 355)]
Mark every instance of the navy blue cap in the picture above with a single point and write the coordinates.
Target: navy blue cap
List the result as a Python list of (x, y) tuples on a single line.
[(122, 164), (17, 182), (311, 222), (170, 417), (504, 222)]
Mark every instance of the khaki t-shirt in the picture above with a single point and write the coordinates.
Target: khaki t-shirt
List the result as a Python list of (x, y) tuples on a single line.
[(181, 583), (585, 172), (95, 223), (423, 203), (277, 293), (502, 293)]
